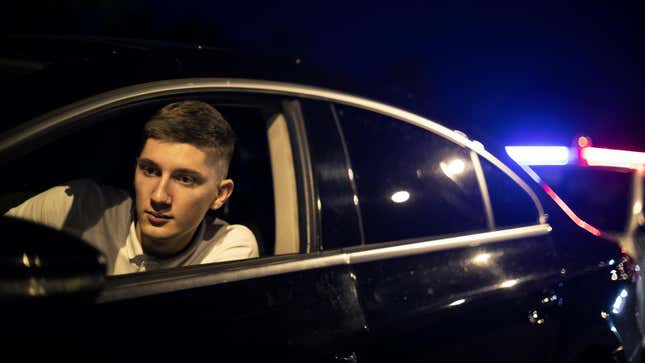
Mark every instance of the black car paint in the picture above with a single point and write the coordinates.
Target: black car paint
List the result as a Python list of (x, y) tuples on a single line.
[(408, 300), (389, 310)]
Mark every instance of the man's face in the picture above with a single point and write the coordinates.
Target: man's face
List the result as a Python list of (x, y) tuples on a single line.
[(175, 185)]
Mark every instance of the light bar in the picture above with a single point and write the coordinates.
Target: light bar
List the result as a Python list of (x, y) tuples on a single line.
[(594, 156), (539, 155), (581, 154)]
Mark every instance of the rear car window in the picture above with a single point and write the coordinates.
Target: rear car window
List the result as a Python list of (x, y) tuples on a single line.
[(410, 182), (511, 205)]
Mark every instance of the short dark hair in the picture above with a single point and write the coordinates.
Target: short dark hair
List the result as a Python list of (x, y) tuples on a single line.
[(196, 123)]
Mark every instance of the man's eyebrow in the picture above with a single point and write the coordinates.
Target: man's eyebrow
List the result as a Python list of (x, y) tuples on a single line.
[(146, 161), (189, 172)]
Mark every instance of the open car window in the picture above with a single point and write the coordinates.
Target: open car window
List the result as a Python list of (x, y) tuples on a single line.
[(103, 148)]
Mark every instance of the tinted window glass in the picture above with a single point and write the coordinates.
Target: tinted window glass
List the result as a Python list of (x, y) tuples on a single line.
[(511, 205), (599, 196), (410, 182)]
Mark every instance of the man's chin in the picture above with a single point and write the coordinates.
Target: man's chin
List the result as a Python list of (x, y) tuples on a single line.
[(156, 234), (158, 244)]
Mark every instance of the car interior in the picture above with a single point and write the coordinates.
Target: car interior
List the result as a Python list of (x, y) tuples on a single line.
[(105, 147)]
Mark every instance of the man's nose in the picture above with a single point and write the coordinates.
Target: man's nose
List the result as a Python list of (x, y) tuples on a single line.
[(161, 195)]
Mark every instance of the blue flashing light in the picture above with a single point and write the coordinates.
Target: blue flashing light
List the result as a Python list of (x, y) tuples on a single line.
[(539, 155)]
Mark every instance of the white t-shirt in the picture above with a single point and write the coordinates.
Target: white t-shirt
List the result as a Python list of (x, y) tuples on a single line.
[(104, 217)]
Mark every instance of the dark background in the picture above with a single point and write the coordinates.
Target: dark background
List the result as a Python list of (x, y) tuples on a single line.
[(504, 74)]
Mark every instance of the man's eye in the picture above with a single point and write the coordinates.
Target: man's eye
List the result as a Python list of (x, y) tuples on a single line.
[(186, 179), (148, 170)]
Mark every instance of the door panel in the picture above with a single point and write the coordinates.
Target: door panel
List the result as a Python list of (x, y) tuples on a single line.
[(297, 316), (494, 302), (309, 315)]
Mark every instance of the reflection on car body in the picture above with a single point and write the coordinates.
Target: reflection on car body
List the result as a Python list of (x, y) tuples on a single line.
[(383, 236)]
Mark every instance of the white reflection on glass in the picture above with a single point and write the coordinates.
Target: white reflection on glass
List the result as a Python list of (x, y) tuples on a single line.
[(482, 259), (638, 207), (457, 302), (350, 173), (355, 200), (401, 196), (508, 283), (453, 167), (611, 262), (619, 303)]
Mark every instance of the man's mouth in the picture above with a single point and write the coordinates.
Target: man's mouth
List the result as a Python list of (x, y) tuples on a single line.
[(157, 219)]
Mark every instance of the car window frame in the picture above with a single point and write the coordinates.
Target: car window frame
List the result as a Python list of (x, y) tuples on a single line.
[(202, 275)]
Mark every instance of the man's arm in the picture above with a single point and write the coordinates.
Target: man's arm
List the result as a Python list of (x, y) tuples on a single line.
[(49, 207)]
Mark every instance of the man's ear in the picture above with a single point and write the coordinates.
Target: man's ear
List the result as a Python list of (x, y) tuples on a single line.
[(225, 191)]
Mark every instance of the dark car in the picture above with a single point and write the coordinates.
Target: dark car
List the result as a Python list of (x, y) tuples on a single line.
[(383, 236)]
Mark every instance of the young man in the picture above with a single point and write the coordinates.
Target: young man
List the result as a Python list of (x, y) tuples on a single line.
[(180, 175)]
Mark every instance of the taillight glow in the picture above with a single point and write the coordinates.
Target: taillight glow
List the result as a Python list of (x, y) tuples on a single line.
[(539, 155), (594, 156)]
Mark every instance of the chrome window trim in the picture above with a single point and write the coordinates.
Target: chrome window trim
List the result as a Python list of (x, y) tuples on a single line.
[(137, 288), (189, 85), (469, 240)]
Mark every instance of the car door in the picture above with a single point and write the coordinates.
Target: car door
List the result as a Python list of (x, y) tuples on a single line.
[(291, 304), (451, 264)]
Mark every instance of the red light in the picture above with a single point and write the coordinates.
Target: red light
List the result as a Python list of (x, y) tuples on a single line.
[(586, 226), (594, 156)]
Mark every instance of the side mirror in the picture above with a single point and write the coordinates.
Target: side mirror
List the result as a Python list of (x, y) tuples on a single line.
[(38, 263)]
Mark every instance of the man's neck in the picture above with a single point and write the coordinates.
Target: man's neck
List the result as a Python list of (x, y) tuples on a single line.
[(166, 248)]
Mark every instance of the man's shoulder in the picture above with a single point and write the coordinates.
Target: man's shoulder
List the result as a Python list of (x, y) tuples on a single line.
[(218, 229), (217, 226), (75, 205), (222, 241), (91, 188), (90, 194)]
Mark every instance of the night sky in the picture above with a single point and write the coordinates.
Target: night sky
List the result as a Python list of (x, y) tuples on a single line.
[(502, 74)]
